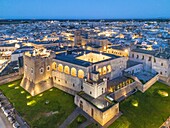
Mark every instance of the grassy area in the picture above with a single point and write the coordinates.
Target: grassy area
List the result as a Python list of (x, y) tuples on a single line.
[(46, 110), (78, 121), (145, 110), (93, 125)]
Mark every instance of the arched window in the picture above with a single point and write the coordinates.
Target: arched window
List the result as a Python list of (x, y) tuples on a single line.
[(67, 70), (54, 65), (41, 70), (109, 68), (32, 71), (48, 68), (60, 68), (104, 70), (100, 71), (73, 72), (81, 74)]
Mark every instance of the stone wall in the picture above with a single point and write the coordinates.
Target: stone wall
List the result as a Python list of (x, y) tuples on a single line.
[(65, 89), (66, 80), (150, 83), (9, 78), (123, 91), (38, 88), (147, 85)]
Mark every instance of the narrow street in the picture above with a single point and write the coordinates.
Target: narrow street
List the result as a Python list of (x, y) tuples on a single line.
[(4, 123)]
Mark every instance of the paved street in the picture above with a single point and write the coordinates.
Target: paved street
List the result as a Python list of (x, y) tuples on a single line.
[(4, 123)]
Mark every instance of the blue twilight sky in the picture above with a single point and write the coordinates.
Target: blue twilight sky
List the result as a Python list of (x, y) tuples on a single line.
[(84, 9)]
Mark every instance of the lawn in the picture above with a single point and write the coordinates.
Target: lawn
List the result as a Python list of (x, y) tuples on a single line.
[(46, 110), (77, 122), (145, 110), (93, 125)]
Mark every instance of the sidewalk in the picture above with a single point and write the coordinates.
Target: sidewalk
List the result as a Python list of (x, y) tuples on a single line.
[(70, 118), (4, 123), (73, 115)]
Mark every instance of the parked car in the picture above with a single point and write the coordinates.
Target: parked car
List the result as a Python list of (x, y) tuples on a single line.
[(11, 119), (16, 125), (3, 109), (7, 112), (2, 104), (2, 98)]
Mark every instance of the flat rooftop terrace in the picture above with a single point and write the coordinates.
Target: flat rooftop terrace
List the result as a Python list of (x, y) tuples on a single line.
[(84, 57), (102, 102), (144, 76), (93, 57)]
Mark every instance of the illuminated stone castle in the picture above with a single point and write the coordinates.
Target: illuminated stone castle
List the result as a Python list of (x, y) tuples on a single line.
[(95, 79)]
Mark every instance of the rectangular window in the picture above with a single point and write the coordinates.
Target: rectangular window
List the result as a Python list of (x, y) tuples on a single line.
[(143, 57), (154, 60), (137, 56), (132, 55), (149, 58)]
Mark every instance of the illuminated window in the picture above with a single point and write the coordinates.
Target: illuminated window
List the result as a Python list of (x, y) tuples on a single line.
[(73, 72), (109, 68), (81, 74), (67, 70), (100, 71), (60, 68), (104, 70), (54, 66)]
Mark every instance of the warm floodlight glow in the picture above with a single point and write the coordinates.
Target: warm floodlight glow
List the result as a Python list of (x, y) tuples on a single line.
[(162, 93), (40, 95), (32, 102), (51, 89), (135, 103), (11, 85), (28, 97), (22, 92), (100, 106), (17, 87), (126, 50)]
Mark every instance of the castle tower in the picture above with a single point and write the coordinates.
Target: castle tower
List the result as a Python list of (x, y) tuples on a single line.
[(77, 38), (37, 71)]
